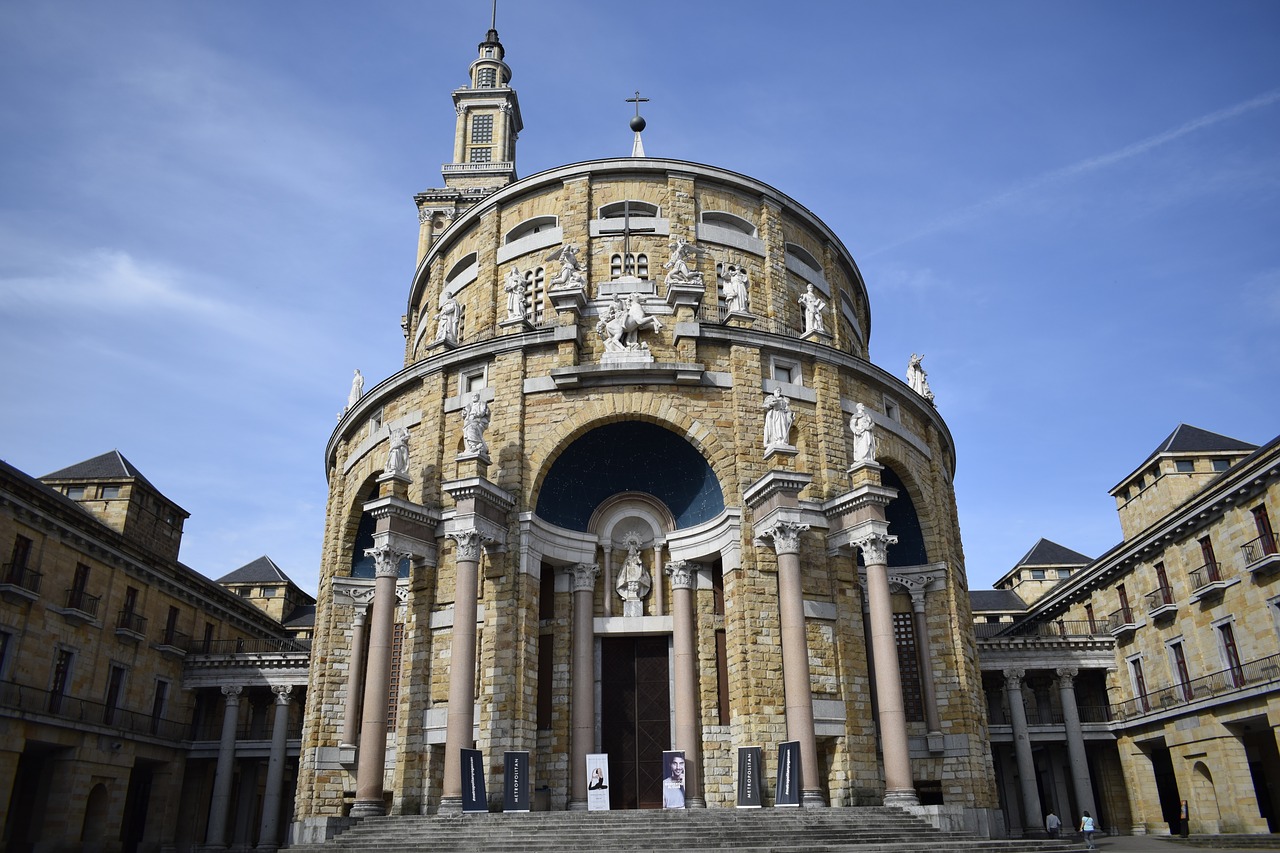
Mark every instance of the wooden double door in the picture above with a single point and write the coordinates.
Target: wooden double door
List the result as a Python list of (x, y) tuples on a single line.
[(635, 718)]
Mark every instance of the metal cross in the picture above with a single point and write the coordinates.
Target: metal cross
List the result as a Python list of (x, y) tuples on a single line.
[(637, 100), (626, 231)]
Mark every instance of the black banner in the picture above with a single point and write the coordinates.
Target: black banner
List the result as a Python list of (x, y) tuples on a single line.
[(515, 795), (474, 798), (750, 767), (788, 791)]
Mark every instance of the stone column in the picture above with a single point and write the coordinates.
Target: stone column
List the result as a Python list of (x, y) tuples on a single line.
[(684, 639), (659, 604), (1080, 779), (355, 678), (899, 787), (608, 579), (785, 537), (372, 764), (269, 833), (460, 723), (924, 653), (583, 695), (220, 802), (1032, 815)]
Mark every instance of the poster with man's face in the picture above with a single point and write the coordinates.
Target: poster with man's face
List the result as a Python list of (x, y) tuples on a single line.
[(673, 770)]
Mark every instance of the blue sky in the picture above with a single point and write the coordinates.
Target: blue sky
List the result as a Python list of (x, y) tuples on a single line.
[(206, 221)]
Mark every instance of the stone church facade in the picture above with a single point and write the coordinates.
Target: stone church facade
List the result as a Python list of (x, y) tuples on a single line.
[(638, 487)]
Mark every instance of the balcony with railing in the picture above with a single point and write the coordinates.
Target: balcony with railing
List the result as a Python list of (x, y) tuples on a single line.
[(31, 702), (1058, 628), (1160, 603), (81, 606), (1209, 581), (173, 643), (131, 626), (1261, 555), (1223, 683), (249, 646), (1122, 621), (18, 580)]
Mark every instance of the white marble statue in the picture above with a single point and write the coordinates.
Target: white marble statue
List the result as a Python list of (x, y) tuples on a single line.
[(448, 318), (633, 582), (571, 274), (398, 454), (736, 300), (813, 306), (682, 251), (622, 323), (917, 379), (357, 389), (475, 420), (778, 419), (514, 288), (864, 435)]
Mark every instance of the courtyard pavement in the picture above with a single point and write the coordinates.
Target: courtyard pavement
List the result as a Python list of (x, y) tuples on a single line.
[(1166, 844)]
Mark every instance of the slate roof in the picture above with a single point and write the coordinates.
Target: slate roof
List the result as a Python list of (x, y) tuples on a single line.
[(303, 616), (995, 599), (1189, 439), (109, 466), (261, 570), (1047, 553)]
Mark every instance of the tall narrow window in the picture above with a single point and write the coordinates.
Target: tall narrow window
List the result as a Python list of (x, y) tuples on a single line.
[(79, 583), (1126, 612), (1139, 684), (904, 635), (207, 645), (171, 627), (722, 678), (61, 678), (158, 704), (1093, 624), (1210, 562), (1165, 594), (486, 78), (546, 667), (535, 294), (1231, 654), (1266, 536), (1180, 673), (115, 686)]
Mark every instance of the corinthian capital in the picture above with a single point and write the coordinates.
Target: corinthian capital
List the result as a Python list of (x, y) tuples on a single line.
[(470, 543), (681, 572), (1067, 675), (283, 693), (1013, 678), (386, 561), (784, 536), (584, 576), (232, 692), (875, 548)]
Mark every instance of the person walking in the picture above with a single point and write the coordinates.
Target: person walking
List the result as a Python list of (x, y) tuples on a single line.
[(1052, 824), (1087, 830)]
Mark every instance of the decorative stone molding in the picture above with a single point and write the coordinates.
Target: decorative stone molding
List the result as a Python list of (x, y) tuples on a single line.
[(784, 536), (682, 573), (386, 560), (232, 693), (470, 543)]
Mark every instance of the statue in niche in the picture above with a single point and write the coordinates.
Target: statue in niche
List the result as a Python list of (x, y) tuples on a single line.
[(621, 325), (864, 435), (682, 251), (812, 305), (357, 389), (917, 379), (633, 582), (398, 454), (736, 300), (475, 420), (514, 288), (571, 274), (778, 419), (448, 318)]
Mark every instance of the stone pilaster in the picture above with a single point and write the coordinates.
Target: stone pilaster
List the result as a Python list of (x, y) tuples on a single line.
[(355, 678)]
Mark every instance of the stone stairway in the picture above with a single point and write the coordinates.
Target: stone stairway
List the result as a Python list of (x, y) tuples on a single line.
[(857, 830)]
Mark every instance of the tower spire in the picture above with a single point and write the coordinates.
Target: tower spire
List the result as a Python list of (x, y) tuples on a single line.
[(637, 123)]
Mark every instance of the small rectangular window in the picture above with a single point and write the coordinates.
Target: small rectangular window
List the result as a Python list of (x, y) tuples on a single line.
[(1185, 466), (1037, 574), (481, 155), (76, 493), (110, 492), (1221, 464), (487, 78)]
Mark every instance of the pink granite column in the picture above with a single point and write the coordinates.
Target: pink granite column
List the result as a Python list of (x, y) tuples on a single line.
[(899, 787), (372, 763), (355, 678), (583, 699), (797, 688), (684, 640), (460, 723)]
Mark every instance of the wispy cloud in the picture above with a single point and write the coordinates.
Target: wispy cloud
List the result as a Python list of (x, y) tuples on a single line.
[(1083, 167)]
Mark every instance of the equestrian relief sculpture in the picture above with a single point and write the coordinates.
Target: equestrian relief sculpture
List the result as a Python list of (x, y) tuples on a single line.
[(622, 323)]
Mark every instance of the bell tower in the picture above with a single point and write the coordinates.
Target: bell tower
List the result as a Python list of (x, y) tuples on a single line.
[(484, 141)]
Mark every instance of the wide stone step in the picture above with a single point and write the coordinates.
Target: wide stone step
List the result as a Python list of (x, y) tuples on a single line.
[(865, 830)]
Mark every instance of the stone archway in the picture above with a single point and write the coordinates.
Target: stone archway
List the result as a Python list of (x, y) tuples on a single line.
[(1205, 816)]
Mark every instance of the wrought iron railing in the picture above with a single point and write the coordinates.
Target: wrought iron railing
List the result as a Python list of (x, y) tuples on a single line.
[(1159, 597), (1054, 628), (1205, 575), (78, 599), (176, 639), (1262, 671), (1263, 546), (22, 576), (130, 621), (1120, 619), (249, 646), (18, 697)]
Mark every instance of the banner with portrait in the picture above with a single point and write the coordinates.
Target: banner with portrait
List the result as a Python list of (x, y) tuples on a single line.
[(597, 782), (673, 779)]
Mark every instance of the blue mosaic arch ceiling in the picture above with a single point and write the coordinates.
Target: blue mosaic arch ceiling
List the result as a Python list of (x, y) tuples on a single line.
[(630, 456)]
